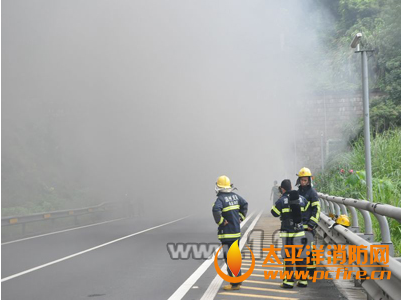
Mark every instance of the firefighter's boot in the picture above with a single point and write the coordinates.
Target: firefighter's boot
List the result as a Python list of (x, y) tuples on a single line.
[(232, 287)]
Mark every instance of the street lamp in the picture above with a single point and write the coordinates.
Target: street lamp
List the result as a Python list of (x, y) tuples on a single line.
[(356, 41), (369, 184)]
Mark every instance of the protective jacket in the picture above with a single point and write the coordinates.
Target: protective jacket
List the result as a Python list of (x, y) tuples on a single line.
[(311, 214), (289, 208), (233, 208)]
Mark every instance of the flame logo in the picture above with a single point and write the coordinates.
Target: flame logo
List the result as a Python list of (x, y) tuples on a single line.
[(234, 261), (234, 258)]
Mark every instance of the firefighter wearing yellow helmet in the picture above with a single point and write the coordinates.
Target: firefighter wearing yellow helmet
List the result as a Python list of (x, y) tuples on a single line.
[(304, 172), (229, 210), (223, 182), (311, 215)]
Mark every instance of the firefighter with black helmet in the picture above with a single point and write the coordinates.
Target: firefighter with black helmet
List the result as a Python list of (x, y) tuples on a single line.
[(289, 208), (229, 210), (311, 215)]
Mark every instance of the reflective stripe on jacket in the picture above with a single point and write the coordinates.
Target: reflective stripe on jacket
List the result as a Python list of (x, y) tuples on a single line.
[(283, 210), (311, 215), (232, 208)]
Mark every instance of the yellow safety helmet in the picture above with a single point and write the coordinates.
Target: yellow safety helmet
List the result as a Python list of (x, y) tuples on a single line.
[(343, 220), (304, 172), (223, 182)]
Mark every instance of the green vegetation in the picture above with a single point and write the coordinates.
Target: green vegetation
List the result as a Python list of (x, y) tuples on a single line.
[(380, 23), (345, 176), (48, 201)]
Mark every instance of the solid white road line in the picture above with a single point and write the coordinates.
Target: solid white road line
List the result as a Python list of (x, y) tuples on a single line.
[(61, 231), (86, 251), (213, 288), (188, 284)]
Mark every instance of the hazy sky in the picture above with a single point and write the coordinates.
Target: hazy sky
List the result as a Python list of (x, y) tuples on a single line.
[(155, 99)]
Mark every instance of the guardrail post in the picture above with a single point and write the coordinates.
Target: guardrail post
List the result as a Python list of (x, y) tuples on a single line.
[(322, 205), (337, 209), (343, 209), (355, 221), (385, 234), (327, 206), (331, 206), (368, 226)]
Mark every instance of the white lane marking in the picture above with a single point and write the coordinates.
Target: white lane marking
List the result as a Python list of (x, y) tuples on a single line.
[(61, 231), (213, 288), (188, 284), (87, 250)]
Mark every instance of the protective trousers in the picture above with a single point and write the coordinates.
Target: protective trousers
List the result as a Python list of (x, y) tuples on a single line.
[(291, 276), (311, 267), (300, 263), (226, 247)]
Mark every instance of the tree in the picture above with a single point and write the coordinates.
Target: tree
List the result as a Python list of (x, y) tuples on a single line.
[(380, 23)]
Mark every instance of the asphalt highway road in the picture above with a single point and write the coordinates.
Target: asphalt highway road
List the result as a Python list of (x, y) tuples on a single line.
[(137, 267), (126, 259)]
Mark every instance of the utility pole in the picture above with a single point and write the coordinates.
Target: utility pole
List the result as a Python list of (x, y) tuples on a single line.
[(366, 113)]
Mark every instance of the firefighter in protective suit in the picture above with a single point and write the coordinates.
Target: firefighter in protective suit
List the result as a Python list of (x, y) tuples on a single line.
[(311, 214), (289, 208), (229, 210)]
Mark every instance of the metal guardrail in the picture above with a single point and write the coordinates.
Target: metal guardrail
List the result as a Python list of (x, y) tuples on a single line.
[(335, 205), (13, 220), (23, 220), (375, 288)]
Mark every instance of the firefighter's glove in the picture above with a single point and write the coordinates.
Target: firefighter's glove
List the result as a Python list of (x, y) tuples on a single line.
[(311, 224)]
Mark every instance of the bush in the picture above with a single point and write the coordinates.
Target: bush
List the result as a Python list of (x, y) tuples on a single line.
[(345, 176)]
